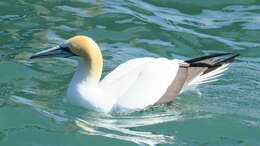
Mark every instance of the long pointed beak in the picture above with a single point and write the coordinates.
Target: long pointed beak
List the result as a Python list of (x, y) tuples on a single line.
[(58, 51)]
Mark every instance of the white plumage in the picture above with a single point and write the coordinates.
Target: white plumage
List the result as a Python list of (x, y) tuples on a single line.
[(135, 84)]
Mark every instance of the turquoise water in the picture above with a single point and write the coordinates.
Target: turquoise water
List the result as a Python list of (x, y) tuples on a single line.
[(33, 109)]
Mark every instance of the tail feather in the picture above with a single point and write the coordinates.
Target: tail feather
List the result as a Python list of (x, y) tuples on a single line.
[(210, 76), (207, 68)]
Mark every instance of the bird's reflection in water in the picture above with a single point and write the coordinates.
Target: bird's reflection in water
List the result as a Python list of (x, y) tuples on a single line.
[(118, 126)]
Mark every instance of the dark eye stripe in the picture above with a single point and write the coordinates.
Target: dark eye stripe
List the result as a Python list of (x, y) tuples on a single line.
[(66, 49)]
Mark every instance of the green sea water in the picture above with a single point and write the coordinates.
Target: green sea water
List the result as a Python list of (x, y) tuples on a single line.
[(33, 109)]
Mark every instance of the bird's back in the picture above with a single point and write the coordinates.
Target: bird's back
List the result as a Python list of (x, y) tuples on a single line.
[(139, 83)]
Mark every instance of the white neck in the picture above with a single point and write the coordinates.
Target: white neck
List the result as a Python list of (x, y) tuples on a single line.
[(83, 74), (84, 89)]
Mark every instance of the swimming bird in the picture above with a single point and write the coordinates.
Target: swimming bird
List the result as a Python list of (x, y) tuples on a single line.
[(135, 84)]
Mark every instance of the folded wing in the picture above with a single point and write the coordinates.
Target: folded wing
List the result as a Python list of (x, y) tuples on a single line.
[(139, 83)]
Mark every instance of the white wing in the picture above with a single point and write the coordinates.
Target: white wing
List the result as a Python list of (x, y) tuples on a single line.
[(139, 83), (117, 82)]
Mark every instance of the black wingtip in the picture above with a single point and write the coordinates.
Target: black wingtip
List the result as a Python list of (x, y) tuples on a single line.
[(212, 56), (229, 59), (196, 61)]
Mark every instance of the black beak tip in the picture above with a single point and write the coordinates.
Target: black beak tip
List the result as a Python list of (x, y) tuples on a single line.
[(32, 57)]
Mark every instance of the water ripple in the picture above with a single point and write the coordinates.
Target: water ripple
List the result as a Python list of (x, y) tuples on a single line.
[(125, 30)]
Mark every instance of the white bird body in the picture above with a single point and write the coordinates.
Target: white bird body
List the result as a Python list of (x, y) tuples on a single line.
[(135, 84)]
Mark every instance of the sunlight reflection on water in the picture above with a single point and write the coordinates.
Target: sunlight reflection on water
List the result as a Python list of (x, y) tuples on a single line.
[(113, 126), (125, 30)]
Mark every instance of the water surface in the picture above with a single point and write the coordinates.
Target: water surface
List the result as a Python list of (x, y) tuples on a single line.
[(33, 108)]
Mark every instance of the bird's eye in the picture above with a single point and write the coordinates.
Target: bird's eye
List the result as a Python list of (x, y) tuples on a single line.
[(64, 47)]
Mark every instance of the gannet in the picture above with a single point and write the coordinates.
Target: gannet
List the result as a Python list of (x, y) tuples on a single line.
[(135, 84)]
